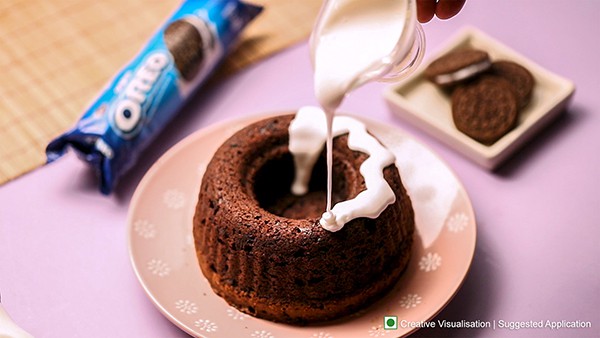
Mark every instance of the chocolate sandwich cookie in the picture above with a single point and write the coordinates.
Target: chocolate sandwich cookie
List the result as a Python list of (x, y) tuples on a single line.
[(455, 67), (485, 109), (186, 45), (518, 76)]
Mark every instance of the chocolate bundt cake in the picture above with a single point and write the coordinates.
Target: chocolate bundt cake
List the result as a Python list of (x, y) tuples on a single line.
[(262, 248)]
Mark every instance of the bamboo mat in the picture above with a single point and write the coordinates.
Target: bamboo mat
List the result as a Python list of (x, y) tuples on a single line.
[(56, 56)]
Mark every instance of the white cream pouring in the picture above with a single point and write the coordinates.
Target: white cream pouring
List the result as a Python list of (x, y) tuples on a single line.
[(353, 42), (308, 134), (357, 41), (9, 329)]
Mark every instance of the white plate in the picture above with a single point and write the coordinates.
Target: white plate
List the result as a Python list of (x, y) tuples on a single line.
[(423, 104), (163, 256)]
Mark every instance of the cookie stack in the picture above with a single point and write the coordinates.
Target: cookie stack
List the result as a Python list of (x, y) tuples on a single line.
[(487, 95)]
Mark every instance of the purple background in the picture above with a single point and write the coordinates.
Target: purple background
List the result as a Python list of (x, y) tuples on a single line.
[(64, 262)]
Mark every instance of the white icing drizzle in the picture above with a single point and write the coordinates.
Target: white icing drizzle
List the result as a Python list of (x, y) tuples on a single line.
[(353, 42), (307, 137)]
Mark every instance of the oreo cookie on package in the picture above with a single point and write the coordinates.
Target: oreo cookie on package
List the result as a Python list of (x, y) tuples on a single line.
[(148, 92)]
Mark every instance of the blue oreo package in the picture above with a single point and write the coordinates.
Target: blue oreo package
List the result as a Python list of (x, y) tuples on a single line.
[(147, 93)]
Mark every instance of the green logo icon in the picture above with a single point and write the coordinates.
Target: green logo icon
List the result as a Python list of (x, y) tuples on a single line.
[(390, 323)]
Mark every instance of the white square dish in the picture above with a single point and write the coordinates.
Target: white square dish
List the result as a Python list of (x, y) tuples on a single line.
[(426, 106)]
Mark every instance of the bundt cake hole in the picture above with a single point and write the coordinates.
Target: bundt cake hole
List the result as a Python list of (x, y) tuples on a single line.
[(272, 189)]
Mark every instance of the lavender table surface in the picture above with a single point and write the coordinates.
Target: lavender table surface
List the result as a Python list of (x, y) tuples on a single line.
[(64, 263)]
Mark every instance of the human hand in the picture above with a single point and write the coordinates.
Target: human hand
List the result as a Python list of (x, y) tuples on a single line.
[(443, 9)]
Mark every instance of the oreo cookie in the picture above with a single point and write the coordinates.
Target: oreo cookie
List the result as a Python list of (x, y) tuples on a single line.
[(487, 96), (458, 66), (518, 76), (186, 46), (485, 109)]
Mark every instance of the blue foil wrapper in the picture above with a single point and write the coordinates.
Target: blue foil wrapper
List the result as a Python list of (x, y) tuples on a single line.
[(147, 93)]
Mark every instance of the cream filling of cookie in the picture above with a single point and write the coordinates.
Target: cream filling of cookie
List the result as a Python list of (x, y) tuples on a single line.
[(463, 73), (308, 135)]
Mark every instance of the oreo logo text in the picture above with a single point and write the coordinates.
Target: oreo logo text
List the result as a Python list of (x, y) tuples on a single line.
[(129, 110)]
